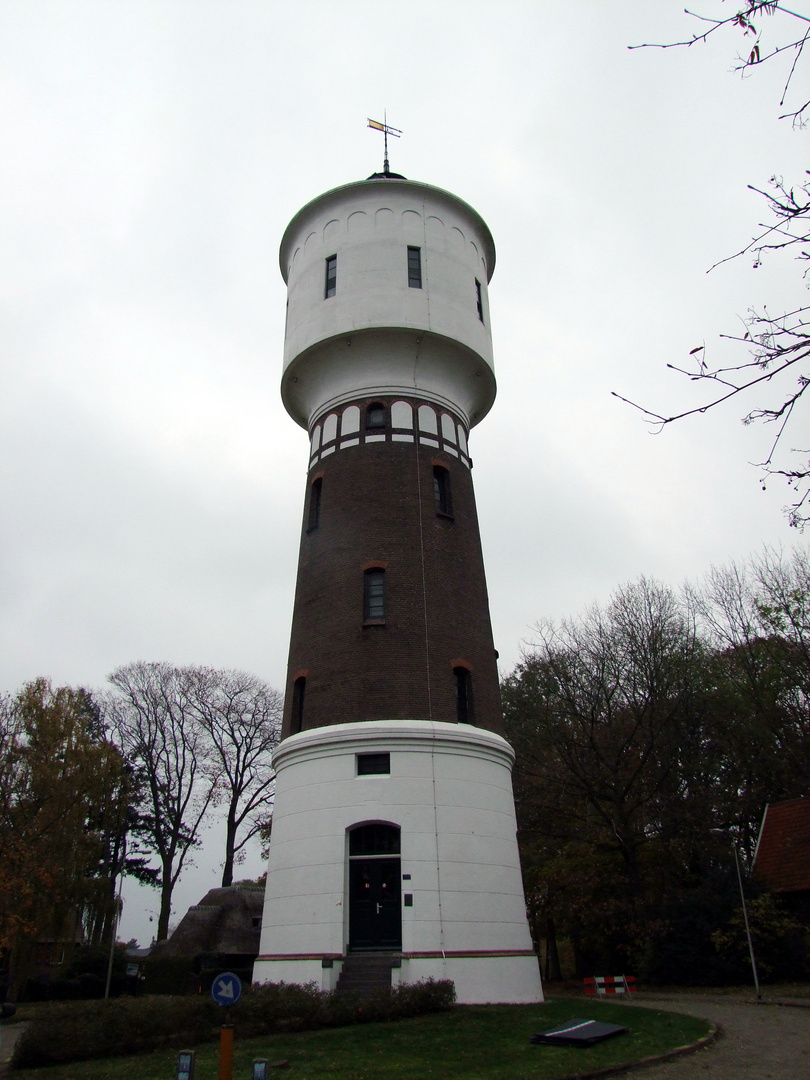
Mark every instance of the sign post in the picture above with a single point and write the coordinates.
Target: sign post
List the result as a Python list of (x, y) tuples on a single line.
[(226, 989)]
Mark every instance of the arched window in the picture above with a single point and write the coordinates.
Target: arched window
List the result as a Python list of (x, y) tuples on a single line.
[(375, 415), (330, 428), (314, 516), (464, 703), (441, 490), (350, 421), (427, 420), (374, 839), (374, 595), (297, 718), (401, 415)]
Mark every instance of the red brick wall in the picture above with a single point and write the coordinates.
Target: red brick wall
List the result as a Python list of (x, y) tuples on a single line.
[(370, 501)]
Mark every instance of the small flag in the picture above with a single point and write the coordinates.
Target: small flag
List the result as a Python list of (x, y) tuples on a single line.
[(386, 128)]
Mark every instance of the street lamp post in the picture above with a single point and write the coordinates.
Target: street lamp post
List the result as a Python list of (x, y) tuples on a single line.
[(745, 918)]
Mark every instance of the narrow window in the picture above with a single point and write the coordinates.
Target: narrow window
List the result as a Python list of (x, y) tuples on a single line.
[(297, 718), (314, 504), (375, 416), (374, 595), (414, 268), (441, 490), (331, 276), (464, 705), (373, 764), (479, 303)]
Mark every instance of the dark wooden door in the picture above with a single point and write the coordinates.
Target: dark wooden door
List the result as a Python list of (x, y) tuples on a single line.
[(375, 915)]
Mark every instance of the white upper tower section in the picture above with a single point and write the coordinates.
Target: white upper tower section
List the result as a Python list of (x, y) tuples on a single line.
[(358, 325)]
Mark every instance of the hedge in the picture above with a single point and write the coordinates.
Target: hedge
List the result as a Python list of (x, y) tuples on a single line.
[(98, 1029)]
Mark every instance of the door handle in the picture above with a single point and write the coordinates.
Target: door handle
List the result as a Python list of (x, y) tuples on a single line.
[(379, 908)]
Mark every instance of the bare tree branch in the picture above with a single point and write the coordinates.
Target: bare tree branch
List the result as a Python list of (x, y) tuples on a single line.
[(777, 344)]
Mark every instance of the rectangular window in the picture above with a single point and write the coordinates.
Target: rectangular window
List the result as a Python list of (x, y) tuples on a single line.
[(331, 276), (414, 268), (441, 490), (373, 764), (314, 516), (464, 704), (297, 718), (374, 595), (479, 303)]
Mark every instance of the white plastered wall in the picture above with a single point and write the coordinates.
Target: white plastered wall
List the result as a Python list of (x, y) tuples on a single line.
[(450, 793), (333, 348)]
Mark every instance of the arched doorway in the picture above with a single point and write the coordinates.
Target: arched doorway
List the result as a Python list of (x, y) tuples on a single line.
[(375, 915)]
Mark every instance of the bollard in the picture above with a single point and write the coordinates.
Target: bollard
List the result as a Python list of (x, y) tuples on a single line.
[(259, 1069), (185, 1065), (226, 1052)]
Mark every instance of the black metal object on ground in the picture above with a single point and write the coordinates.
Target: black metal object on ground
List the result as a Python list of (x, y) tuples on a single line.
[(578, 1032)]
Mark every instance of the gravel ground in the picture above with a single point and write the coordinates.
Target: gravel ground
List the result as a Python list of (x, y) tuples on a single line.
[(759, 1041)]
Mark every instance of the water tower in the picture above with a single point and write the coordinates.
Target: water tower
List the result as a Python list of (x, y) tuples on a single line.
[(393, 845)]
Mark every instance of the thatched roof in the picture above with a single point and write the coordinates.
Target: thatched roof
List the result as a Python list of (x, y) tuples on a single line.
[(226, 920)]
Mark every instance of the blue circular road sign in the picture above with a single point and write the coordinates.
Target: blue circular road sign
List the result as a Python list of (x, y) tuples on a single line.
[(226, 988)]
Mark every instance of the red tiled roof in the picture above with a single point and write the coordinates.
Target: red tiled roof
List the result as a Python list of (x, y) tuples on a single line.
[(782, 861)]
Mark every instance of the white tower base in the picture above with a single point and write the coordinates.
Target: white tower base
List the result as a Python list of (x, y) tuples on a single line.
[(449, 792)]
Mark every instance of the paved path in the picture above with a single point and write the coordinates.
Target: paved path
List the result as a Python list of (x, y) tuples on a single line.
[(759, 1042), (9, 1033)]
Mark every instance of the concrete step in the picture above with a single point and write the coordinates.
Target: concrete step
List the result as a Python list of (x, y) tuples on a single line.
[(363, 973)]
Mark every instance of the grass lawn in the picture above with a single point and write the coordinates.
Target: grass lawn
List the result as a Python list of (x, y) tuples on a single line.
[(473, 1042)]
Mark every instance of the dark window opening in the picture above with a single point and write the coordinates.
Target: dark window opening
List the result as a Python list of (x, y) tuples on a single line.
[(464, 704), (314, 516), (441, 490), (479, 302), (414, 268), (331, 276), (375, 416), (374, 595), (297, 718), (376, 839), (373, 764)]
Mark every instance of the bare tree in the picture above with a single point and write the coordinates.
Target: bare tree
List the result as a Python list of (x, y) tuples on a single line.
[(156, 719), (778, 346), (241, 715), (756, 619), (606, 714)]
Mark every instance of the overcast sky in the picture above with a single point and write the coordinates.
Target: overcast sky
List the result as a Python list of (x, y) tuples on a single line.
[(153, 153)]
